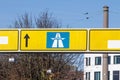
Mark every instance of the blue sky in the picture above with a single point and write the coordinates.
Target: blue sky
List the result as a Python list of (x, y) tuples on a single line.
[(67, 12)]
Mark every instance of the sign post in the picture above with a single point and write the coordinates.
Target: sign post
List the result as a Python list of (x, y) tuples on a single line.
[(104, 40), (53, 40), (9, 40)]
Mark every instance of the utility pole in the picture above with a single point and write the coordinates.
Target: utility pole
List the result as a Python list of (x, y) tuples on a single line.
[(105, 55)]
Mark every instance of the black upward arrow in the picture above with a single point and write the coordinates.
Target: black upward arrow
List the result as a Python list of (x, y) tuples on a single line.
[(26, 40)]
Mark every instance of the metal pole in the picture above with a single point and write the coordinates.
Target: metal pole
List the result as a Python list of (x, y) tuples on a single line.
[(105, 55), (106, 16)]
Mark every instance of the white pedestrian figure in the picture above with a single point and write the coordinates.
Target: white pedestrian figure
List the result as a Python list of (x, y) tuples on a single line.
[(57, 43)]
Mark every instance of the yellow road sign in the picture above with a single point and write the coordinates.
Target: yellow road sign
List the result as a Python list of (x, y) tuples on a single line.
[(104, 40), (54, 40), (8, 40)]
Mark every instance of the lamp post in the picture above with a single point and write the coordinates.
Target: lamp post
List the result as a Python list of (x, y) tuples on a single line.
[(105, 55)]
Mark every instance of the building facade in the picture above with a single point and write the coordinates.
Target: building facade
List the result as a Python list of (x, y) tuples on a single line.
[(93, 66)]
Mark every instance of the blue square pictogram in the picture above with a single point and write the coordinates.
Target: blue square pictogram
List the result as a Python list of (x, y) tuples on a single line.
[(58, 40)]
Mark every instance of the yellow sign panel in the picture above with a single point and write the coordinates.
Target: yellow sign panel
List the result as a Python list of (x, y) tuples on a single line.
[(54, 40), (8, 40), (104, 40)]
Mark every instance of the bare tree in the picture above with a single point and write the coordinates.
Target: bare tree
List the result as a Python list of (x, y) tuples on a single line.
[(34, 66), (24, 21), (45, 20)]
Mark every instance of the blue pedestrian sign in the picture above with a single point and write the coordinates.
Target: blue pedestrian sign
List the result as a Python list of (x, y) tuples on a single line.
[(58, 39)]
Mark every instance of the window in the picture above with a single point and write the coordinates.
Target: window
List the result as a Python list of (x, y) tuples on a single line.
[(116, 59), (108, 75), (87, 75), (97, 60), (88, 61), (109, 59), (96, 75), (115, 75)]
